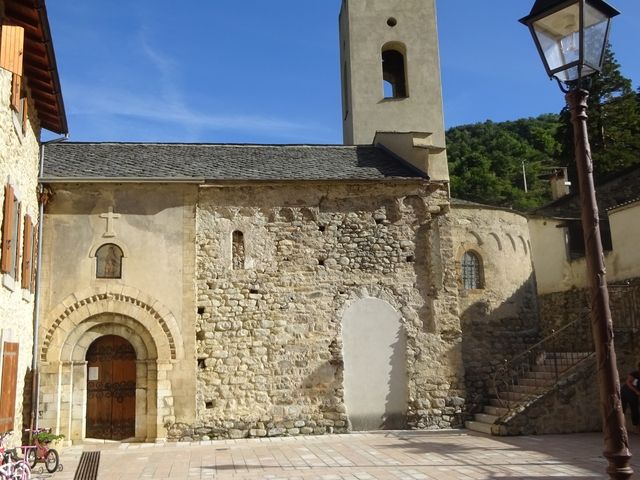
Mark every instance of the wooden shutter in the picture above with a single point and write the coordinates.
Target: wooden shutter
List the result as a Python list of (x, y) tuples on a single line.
[(34, 259), (26, 252), (9, 381), (16, 265), (7, 229), (25, 115), (12, 48), (16, 92)]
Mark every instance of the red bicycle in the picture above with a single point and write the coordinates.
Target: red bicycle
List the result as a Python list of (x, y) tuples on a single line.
[(40, 451)]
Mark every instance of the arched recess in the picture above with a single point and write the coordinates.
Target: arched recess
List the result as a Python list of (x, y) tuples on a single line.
[(394, 70), (154, 316), (80, 320), (375, 366)]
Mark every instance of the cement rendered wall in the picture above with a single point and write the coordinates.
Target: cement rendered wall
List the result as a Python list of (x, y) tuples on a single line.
[(499, 320), (364, 31), (19, 160), (269, 342), (556, 273), (152, 305)]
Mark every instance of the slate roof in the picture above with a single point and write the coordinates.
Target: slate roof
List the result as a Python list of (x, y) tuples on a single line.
[(612, 191), (220, 162)]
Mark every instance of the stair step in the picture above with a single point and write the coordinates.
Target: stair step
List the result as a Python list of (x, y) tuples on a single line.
[(529, 390), (542, 383), (496, 411), (551, 375), (568, 355), (485, 418), (514, 396), (503, 403), (478, 426)]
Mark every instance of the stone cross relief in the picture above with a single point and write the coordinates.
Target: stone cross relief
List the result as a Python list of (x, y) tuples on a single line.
[(110, 217)]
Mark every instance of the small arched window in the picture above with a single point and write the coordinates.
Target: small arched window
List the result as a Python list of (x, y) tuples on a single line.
[(394, 73), (109, 261), (237, 250), (471, 267)]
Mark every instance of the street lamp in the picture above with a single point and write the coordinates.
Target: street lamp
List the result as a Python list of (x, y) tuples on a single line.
[(571, 37)]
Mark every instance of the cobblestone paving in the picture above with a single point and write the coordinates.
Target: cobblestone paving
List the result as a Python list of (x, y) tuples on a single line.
[(448, 455)]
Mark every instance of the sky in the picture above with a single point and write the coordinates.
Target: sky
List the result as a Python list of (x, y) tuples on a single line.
[(257, 71)]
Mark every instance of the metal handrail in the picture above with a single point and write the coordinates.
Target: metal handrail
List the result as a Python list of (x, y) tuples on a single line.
[(576, 346)]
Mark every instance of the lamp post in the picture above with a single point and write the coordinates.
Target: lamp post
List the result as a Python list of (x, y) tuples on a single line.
[(571, 38)]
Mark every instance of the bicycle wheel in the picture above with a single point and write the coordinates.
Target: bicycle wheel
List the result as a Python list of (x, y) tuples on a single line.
[(21, 471), (52, 460), (31, 457)]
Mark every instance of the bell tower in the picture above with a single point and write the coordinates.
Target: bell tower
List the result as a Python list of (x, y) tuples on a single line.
[(391, 87)]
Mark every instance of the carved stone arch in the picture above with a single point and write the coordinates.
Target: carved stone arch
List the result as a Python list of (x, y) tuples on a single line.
[(524, 244), (286, 215), (64, 373), (477, 236), (414, 204), (497, 239), (393, 209), (78, 341), (513, 242), (309, 214), (129, 302)]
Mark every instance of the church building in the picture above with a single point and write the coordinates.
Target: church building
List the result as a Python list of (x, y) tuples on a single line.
[(199, 291)]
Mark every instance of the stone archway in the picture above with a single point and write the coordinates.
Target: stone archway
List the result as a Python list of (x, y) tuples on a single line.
[(375, 367), (73, 327)]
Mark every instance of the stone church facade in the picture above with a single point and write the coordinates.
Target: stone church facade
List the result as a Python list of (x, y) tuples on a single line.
[(226, 291), (255, 307)]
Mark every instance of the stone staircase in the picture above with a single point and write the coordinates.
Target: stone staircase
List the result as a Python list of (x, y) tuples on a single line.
[(531, 382)]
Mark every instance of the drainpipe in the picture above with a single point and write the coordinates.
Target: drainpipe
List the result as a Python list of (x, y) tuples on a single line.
[(35, 380)]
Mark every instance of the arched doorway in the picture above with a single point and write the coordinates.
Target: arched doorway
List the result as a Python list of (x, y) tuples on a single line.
[(111, 389), (375, 372)]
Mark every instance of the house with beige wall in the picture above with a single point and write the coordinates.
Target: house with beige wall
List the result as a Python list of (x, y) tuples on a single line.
[(30, 101)]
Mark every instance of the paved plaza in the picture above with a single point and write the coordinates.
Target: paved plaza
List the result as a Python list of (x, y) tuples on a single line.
[(444, 455)]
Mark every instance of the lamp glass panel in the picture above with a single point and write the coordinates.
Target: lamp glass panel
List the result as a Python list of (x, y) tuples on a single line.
[(596, 25), (559, 37)]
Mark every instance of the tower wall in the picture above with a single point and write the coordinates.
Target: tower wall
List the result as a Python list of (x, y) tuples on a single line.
[(368, 26)]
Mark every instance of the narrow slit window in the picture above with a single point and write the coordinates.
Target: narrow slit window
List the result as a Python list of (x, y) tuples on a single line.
[(394, 77), (109, 261), (237, 250), (471, 271)]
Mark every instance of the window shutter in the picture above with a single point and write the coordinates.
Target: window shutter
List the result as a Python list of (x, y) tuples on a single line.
[(25, 114), (34, 259), (27, 252), (12, 48), (16, 91), (16, 265), (7, 231), (9, 381)]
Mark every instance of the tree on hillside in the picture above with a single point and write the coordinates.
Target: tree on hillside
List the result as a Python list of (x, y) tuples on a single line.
[(486, 161), (614, 122)]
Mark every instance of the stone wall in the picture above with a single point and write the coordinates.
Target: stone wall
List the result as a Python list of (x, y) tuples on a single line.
[(19, 160), (499, 320), (558, 309), (268, 335), (571, 406)]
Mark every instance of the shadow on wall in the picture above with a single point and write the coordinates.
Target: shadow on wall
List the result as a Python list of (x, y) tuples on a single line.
[(491, 335), (393, 419)]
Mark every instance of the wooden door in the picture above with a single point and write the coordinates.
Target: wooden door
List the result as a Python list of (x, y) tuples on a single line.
[(111, 389)]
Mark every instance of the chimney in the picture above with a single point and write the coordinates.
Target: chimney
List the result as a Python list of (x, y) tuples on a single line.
[(560, 184)]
